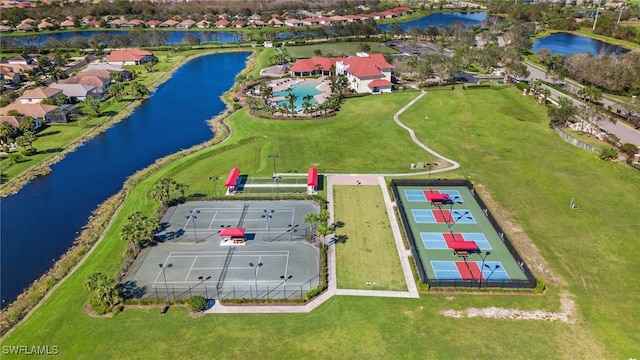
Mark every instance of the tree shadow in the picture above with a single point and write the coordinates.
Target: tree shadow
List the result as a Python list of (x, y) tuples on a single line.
[(131, 290), (48, 133)]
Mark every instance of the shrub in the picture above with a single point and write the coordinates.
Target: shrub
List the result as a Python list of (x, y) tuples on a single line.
[(629, 149), (540, 286), (522, 85), (197, 303), (608, 153), (237, 106), (98, 306)]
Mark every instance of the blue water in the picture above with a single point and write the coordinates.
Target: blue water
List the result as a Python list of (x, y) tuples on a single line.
[(566, 44), (40, 222), (441, 19), (175, 37), (306, 87)]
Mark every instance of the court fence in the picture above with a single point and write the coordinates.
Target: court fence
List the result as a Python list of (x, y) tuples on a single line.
[(257, 291), (530, 281)]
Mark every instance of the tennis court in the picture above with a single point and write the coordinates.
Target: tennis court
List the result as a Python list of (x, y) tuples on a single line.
[(453, 238), (275, 261)]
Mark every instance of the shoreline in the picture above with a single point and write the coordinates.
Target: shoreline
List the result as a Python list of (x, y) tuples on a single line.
[(16, 184)]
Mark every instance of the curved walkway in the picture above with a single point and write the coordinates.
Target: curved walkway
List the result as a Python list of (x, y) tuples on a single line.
[(403, 254)]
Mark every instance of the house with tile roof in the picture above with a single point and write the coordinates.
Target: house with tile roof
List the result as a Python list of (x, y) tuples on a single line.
[(78, 91), (35, 96), (41, 113), (129, 57)]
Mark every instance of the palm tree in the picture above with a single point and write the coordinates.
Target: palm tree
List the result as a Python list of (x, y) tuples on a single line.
[(181, 188), (311, 219), (306, 103), (6, 130), (291, 97)]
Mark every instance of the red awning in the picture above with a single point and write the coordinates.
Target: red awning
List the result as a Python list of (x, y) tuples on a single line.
[(233, 177), (232, 232), (458, 243), (312, 178)]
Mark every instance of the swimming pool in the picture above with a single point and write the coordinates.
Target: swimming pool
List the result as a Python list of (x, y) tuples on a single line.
[(301, 89)]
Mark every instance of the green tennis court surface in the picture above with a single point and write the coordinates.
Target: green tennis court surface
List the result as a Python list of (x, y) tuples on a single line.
[(276, 261), (454, 238)]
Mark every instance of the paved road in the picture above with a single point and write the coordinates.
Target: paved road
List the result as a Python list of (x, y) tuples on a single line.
[(623, 131)]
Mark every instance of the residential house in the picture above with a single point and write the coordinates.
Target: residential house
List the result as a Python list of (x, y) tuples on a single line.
[(8, 75), (169, 23), (293, 22), (311, 21), (238, 23), (129, 57), (186, 24), (222, 23), (67, 24), (275, 23), (22, 59), (133, 23), (99, 65), (116, 23), (153, 23), (78, 91), (94, 23), (24, 27), (255, 17), (39, 112), (204, 24), (100, 79), (5, 28), (258, 24), (35, 96)]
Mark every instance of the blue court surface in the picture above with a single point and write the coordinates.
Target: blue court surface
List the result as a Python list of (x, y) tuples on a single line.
[(441, 216), (419, 195), (451, 270), (436, 241)]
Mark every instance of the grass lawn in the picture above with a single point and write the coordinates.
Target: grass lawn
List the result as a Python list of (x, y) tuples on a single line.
[(369, 255), (336, 49), (506, 148)]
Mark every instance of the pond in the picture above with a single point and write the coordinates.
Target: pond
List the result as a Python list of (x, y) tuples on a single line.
[(442, 19), (39, 223), (566, 44)]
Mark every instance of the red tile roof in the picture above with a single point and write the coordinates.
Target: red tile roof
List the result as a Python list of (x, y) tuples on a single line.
[(127, 55), (379, 83)]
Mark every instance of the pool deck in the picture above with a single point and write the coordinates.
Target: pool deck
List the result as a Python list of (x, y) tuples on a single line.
[(283, 84)]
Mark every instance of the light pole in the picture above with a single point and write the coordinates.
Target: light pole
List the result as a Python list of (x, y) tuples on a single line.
[(192, 216), (202, 280), (275, 173), (285, 278), (450, 203), (482, 266), (450, 225), (164, 277), (292, 229), (255, 274), (268, 215), (215, 181), (492, 271), (429, 178)]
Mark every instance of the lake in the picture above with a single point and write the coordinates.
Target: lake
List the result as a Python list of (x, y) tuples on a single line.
[(41, 222), (442, 19), (567, 43)]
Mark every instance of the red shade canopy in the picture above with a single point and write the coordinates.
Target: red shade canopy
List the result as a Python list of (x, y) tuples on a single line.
[(312, 178), (232, 232), (233, 177)]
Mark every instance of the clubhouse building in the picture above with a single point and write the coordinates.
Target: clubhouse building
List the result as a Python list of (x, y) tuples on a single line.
[(366, 73)]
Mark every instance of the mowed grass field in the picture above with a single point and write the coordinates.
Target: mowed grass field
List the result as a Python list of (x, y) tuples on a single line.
[(506, 148), (337, 49), (368, 259)]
